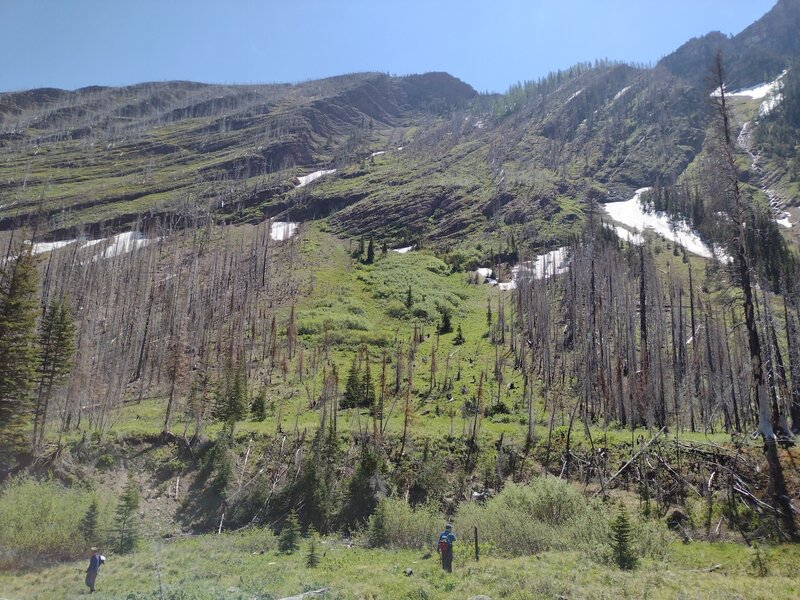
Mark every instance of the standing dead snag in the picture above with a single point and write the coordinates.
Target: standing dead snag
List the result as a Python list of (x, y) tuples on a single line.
[(768, 417)]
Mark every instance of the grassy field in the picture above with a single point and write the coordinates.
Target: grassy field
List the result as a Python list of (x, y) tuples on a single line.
[(246, 565)]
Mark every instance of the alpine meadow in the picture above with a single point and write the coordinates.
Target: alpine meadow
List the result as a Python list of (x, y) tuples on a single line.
[(323, 339)]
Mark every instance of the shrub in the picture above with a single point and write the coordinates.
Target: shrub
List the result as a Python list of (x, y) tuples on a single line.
[(404, 526), (547, 514), (41, 521)]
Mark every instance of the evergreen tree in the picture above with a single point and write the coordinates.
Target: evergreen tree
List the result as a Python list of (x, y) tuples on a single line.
[(258, 409), (364, 490), (88, 525), (289, 539), (377, 531), (409, 299), (56, 353), (370, 252), (125, 525), (621, 542), (312, 558), (459, 339), (18, 311), (359, 252), (230, 400), (367, 396), (384, 248), (352, 391), (445, 325)]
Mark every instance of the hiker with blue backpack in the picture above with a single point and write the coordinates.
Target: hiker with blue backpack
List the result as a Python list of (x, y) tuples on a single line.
[(445, 547)]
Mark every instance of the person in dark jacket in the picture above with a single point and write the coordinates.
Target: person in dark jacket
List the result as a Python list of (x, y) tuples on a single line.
[(445, 547), (94, 566)]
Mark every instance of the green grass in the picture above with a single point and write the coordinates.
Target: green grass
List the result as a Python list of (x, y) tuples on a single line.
[(231, 566)]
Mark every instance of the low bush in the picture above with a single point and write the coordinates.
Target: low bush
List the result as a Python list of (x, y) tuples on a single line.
[(395, 524), (42, 521), (550, 514)]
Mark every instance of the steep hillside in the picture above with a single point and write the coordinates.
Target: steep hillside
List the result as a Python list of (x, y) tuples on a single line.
[(107, 157)]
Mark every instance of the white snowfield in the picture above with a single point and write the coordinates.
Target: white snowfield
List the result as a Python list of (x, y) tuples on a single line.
[(282, 230), (636, 217), (484, 272), (575, 95), (122, 244), (546, 265), (621, 93), (306, 179), (42, 247), (626, 234), (768, 92), (378, 153), (405, 250), (785, 222), (117, 244)]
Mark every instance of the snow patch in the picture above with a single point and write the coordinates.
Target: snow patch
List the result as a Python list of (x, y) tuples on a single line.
[(784, 222), (632, 214), (122, 244), (378, 153), (405, 250), (769, 92), (575, 95), (484, 272), (42, 247), (770, 104), (621, 93), (626, 234), (546, 265), (306, 179), (282, 230)]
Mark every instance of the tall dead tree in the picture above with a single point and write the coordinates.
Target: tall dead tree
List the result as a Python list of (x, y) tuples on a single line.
[(768, 416)]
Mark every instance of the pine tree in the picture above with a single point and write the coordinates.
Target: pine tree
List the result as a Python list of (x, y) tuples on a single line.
[(409, 299), (384, 248), (312, 558), (125, 525), (377, 531), (18, 311), (352, 391), (363, 491), (370, 252), (56, 354), (230, 402), (289, 539), (258, 409), (621, 542), (459, 339), (445, 325), (88, 525), (367, 396)]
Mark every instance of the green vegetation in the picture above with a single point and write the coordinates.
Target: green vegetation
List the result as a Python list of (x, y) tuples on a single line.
[(252, 389), (41, 522), (622, 543), (246, 565), (289, 540)]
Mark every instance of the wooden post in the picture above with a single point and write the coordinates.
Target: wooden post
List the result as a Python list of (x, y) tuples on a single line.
[(475, 529)]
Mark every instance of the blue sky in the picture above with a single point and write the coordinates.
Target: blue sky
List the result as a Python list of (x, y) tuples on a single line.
[(490, 44)]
